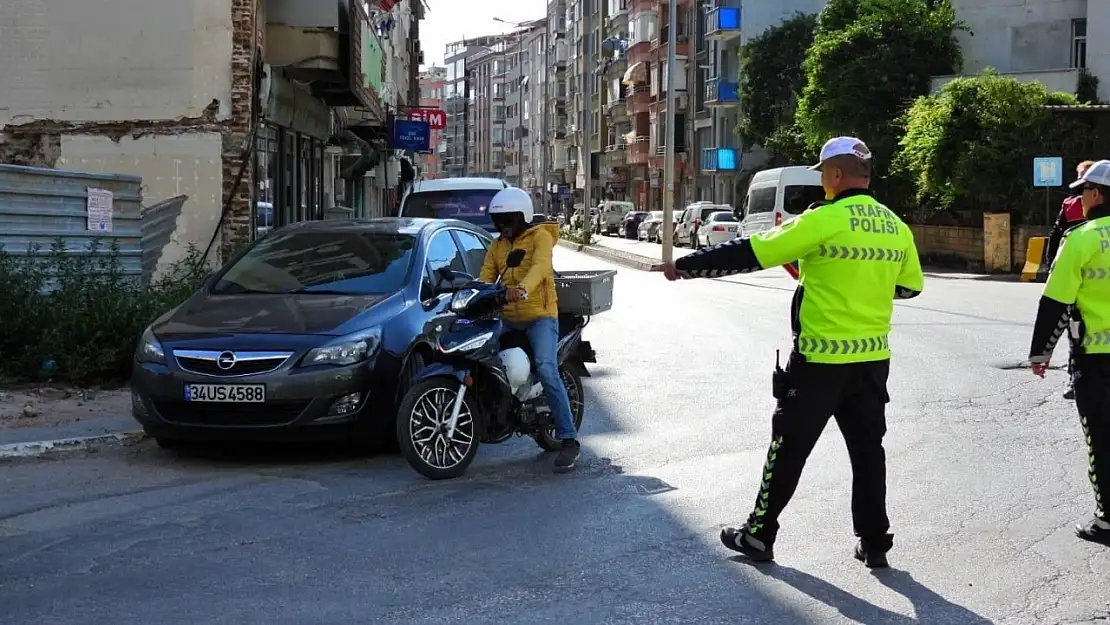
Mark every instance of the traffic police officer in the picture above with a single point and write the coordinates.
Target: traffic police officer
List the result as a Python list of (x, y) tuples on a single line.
[(1077, 299), (855, 258)]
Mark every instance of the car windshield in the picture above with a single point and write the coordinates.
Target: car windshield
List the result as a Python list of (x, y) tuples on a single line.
[(706, 212), (466, 204), (797, 198), (657, 215), (722, 217), (355, 263)]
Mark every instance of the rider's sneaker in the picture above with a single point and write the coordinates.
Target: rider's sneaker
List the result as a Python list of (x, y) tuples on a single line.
[(568, 455), (1096, 530), (1070, 393), (873, 557)]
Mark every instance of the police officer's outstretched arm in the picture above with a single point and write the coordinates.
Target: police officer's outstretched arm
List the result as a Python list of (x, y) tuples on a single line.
[(1053, 312), (911, 280), (778, 246)]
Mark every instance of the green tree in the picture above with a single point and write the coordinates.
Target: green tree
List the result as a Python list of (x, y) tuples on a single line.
[(869, 61), (771, 80), (973, 143)]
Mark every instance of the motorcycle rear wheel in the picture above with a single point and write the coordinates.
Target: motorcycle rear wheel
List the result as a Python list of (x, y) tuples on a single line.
[(573, 382), (421, 434)]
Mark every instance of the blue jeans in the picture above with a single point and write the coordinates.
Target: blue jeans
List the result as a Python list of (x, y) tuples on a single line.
[(543, 335)]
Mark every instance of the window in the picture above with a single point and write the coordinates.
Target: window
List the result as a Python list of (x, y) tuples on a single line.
[(468, 205), (317, 262), (761, 200), (797, 198), (1079, 43), (474, 248), (444, 254)]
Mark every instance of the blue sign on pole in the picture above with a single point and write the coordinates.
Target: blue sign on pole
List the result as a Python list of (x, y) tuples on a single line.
[(1048, 171), (411, 135)]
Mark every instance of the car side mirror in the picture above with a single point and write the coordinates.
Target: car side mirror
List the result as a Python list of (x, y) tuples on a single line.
[(515, 258), (451, 281)]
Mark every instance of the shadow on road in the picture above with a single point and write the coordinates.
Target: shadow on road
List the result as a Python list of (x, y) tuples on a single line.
[(929, 607)]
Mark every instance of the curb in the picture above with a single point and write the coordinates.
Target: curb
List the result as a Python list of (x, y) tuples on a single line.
[(35, 449), (626, 259)]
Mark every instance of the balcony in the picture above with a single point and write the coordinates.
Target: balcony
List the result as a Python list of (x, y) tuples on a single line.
[(720, 160), (638, 150), (331, 37), (639, 99), (617, 108), (722, 93), (722, 24)]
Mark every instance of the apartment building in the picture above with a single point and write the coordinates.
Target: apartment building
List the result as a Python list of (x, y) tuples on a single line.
[(1039, 40), (459, 95), (522, 60), (432, 82), (616, 121), (560, 174)]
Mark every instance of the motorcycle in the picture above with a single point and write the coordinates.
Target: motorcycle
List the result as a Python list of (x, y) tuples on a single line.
[(480, 387)]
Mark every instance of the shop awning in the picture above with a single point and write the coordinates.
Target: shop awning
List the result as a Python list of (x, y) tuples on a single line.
[(636, 73)]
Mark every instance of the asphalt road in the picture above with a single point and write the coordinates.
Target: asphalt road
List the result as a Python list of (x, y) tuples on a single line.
[(987, 477)]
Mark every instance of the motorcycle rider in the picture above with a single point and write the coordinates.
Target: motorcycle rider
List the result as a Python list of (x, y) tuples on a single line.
[(534, 306)]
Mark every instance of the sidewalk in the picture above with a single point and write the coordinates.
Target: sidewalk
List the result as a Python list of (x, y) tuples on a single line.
[(641, 255)]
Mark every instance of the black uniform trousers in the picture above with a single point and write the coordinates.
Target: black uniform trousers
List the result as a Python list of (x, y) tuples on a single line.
[(856, 396), (1092, 399)]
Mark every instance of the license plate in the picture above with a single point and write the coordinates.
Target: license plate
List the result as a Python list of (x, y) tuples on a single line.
[(732, 228), (226, 393)]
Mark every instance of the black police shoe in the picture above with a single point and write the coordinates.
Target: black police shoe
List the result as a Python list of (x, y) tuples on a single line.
[(740, 540), (1096, 530), (873, 553)]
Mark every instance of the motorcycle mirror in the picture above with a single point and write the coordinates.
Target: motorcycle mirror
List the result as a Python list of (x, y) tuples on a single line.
[(515, 258)]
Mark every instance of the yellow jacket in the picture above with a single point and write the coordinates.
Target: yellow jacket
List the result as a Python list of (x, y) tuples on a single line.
[(536, 275)]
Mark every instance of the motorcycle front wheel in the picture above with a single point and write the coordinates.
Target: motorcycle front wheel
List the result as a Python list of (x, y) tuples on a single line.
[(575, 393), (422, 428)]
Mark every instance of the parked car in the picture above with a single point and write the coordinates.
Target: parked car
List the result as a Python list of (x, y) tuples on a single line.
[(649, 229), (718, 228), (631, 224), (308, 333), (465, 199), (610, 216), (775, 196), (686, 232)]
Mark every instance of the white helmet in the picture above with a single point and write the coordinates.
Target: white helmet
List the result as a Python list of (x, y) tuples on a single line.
[(512, 200)]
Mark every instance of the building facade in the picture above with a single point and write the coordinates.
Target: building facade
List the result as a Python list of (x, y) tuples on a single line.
[(432, 82), (228, 102), (1036, 40)]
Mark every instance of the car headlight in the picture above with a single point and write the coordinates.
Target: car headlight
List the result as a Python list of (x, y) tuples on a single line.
[(150, 349), (347, 350), (462, 299)]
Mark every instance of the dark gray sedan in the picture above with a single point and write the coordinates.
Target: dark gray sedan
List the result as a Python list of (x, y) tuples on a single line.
[(309, 333)]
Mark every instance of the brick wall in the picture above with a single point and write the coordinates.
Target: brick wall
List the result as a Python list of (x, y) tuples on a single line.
[(962, 245), (247, 36)]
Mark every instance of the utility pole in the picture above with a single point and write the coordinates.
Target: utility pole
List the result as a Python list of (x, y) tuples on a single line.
[(466, 120), (520, 84), (544, 103), (671, 136), (588, 112)]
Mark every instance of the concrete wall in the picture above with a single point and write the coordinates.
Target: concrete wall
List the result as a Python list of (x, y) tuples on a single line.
[(964, 245), (156, 88)]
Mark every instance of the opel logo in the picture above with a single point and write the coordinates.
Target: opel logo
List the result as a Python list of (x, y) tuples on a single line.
[(226, 360)]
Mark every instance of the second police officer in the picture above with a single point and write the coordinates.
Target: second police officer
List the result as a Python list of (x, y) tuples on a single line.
[(1076, 300), (855, 258)]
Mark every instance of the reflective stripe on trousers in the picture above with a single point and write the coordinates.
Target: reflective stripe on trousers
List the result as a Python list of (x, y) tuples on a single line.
[(850, 346)]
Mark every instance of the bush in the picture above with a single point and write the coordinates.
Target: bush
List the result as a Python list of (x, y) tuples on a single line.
[(581, 237), (974, 142), (75, 318)]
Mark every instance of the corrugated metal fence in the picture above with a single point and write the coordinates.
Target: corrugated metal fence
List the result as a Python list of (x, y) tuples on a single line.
[(39, 206)]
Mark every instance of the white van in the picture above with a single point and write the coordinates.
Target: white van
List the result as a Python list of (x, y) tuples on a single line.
[(453, 198), (776, 196)]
